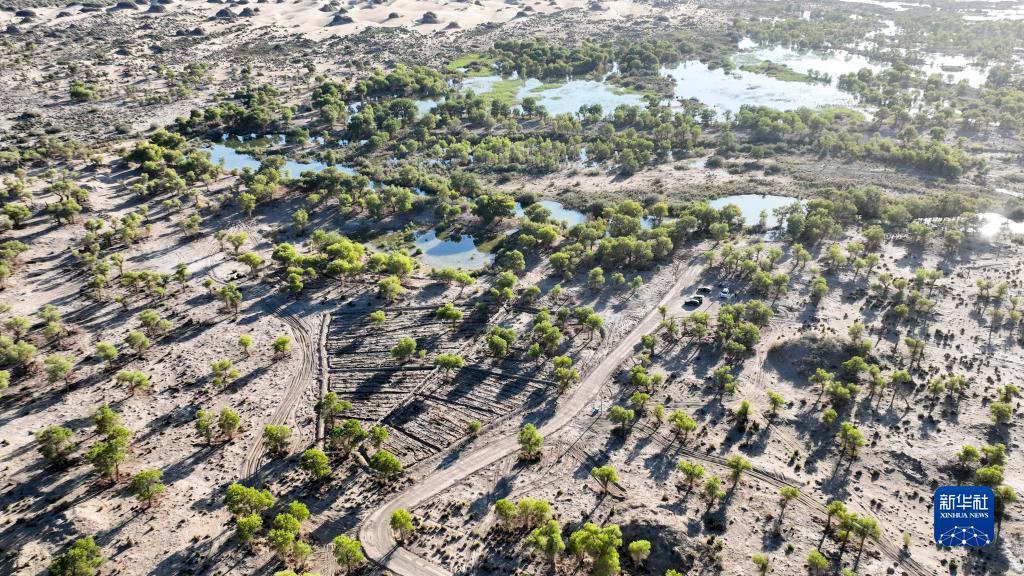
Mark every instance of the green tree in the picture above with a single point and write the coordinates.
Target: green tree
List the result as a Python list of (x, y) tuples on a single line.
[(621, 416), (639, 550), (245, 343), (138, 341), (404, 350), (786, 494), (106, 351), (738, 465), (682, 424), (385, 464), (401, 524), (58, 367), (135, 379), (599, 543), (448, 363), (348, 553), (83, 558), (282, 345), (348, 436), (761, 562), (817, 563), (231, 296), (107, 454), (277, 438), (55, 443), (243, 500), (547, 539), (691, 471), (605, 475), (252, 260), (776, 401), (330, 407), (530, 442), (315, 463), (229, 422), (850, 439), (204, 425), (713, 490), (390, 288), (224, 372), (448, 313), (106, 420), (247, 527), (300, 219), (378, 435), (378, 318), (147, 485), (1001, 412)]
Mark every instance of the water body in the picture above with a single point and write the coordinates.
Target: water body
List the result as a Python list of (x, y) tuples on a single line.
[(728, 91), (992, 223), (451, 252), (751, 206), (481, 85), (235, 160), (570, 96), (895, 6), (835, 63), (559, 212), (952, 68)]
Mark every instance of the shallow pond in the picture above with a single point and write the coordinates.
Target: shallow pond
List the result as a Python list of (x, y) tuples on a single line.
[(558, 98), (559, 212), (835, 63), (895, 6), (567, 98), (236, 160), (728, 91), (952, 68), (751, 206), (991, 223), (451, 252)]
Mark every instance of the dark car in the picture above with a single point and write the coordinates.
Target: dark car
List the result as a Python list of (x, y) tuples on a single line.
[(694, 301), (704, 290)]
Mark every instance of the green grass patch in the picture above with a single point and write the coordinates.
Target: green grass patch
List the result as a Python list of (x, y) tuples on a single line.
[(488, 246), (472, 64), (505, 90), (546, 86), (777, 71)]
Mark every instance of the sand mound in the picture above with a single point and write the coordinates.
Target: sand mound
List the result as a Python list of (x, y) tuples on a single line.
[(225, 13), (430, 18), (339, 19)]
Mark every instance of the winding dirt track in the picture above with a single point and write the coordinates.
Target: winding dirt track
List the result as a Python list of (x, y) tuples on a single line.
[(375, 532), (296, 384), (299, 379)]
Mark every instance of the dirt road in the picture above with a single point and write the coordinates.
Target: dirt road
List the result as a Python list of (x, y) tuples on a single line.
[(375, 533)]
